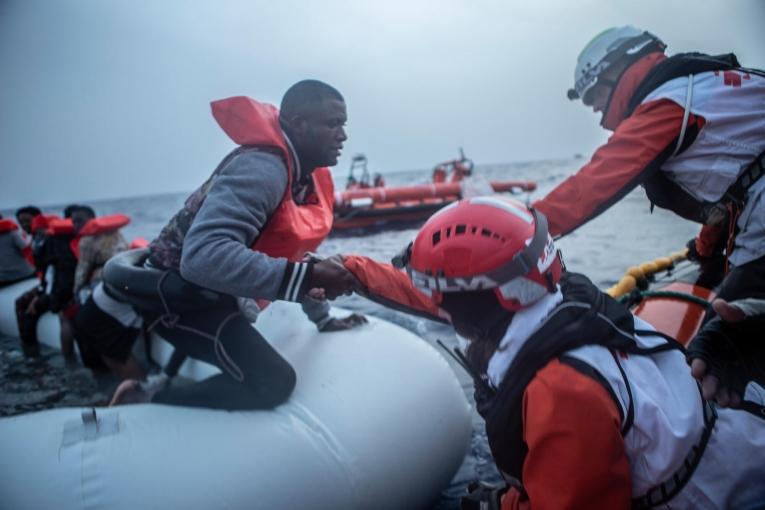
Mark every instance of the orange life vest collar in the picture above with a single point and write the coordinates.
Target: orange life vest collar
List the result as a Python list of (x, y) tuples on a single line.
[(250, 123), (138, 242), (104, 224), (58, 226), (42, 221), (7, 226), (293, 229)]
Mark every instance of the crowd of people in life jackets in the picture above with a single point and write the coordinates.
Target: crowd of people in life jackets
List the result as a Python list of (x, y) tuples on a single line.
[(586, 405), (65, 256)]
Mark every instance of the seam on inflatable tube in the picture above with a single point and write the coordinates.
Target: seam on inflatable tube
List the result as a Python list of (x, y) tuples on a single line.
[(304, 419)]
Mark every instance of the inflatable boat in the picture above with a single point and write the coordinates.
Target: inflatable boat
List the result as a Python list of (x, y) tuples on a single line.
[(369, 203), (378, 420), (666, 293), (379, 206)]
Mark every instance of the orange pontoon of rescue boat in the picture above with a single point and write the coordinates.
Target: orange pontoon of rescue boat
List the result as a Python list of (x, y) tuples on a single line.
[(669, 293), (368, 202)]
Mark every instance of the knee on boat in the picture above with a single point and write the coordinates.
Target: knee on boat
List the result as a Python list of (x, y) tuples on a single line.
[(276, 393)]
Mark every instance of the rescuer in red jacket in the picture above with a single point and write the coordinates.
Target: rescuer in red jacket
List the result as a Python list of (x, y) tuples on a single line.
[(689, 128), (586, 405)]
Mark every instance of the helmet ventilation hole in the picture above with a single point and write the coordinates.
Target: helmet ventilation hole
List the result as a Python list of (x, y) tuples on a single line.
[(462, 229)]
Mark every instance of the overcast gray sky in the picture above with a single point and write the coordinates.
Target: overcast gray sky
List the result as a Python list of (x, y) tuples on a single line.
[(102, 99)]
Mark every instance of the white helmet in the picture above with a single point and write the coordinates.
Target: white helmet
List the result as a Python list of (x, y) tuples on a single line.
[(605, 49)]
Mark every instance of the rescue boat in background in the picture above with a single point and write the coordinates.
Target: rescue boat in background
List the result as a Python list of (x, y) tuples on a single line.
[(369, 203)]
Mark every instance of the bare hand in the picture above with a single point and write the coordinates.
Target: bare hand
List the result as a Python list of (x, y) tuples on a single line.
[(317, 294), (332, 276), (349, 322)]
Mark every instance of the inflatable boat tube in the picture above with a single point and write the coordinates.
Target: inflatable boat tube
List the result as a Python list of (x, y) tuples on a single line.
[(377, 420), (673, 300), (382, 194)]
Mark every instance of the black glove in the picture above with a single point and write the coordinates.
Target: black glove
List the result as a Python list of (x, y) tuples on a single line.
[(483, 496), (711, 268), (693, 253), (733, 352)]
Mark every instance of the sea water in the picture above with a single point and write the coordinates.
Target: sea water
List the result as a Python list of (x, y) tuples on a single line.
[(627, 234)]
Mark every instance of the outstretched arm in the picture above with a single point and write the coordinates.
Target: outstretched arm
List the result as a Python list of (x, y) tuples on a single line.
[(391, 287), (638, 147), (217, 250)]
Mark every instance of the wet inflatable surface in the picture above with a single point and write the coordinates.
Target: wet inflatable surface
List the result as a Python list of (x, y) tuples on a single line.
[(377, 420)]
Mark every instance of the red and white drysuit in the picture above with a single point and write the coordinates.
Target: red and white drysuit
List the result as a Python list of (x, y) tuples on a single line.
[(574, 420), (611, 426), (726, 114)]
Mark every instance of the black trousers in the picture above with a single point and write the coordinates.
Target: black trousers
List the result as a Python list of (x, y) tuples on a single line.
[(267, 378), (27, 322)]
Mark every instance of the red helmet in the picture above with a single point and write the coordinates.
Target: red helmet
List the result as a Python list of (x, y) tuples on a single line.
[(485, 243)]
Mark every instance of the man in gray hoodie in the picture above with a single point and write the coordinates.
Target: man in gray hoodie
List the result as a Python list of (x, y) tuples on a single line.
[(245, 233)]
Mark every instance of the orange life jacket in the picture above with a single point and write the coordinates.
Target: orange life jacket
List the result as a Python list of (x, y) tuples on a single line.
[(293, 229), (7, 226), (96, 226), (138, 242), (42, 221), (296, 229), (58, 226), (104, 224)]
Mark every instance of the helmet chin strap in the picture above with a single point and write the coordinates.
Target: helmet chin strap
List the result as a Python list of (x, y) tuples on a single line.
[(401, 259)]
